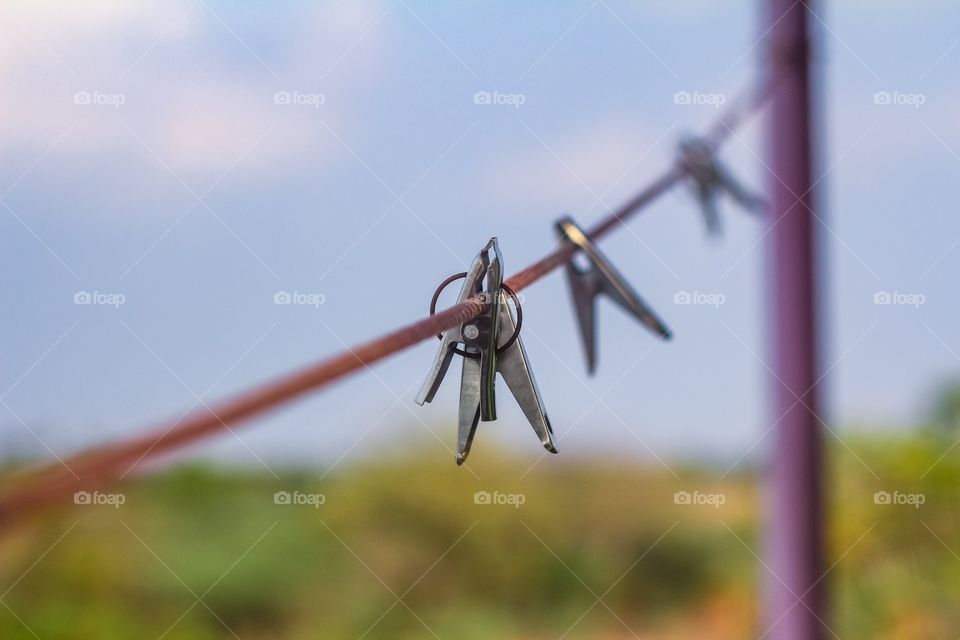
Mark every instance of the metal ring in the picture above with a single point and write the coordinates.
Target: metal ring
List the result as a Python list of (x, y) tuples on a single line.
[(510, 292)]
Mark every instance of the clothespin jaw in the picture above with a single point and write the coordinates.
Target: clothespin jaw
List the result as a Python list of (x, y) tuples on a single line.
[(487, 332), (491, 345), (472, 285), (698, 158), (600, 278), (513, 364)]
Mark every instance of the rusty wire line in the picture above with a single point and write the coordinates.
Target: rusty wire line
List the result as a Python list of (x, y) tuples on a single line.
[(114, 461)]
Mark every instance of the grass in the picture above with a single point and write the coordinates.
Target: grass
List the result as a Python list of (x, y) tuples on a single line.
[(401, 550)]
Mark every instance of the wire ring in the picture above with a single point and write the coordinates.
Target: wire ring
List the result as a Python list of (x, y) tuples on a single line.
[(510, 292)]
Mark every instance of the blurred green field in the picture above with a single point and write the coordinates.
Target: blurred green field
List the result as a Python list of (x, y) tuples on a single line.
[(402, 550)]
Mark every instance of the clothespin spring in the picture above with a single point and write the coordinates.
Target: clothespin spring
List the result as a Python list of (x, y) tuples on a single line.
[(469, 335)]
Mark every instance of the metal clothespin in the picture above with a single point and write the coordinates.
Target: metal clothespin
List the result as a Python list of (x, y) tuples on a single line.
[(491, 345), (697, 156), (600, 278)]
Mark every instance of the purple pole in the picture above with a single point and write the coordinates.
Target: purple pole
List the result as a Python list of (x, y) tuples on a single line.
[(794, 594)]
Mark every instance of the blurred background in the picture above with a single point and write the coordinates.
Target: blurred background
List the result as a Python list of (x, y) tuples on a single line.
[(172, 172)]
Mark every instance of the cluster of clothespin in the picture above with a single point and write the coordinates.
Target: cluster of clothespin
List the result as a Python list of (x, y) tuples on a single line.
[(491, 341)]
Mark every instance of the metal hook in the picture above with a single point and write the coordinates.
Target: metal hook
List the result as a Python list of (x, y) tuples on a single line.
[(698, 159), (600, 278)]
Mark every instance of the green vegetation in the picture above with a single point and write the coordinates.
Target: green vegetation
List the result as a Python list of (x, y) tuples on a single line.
[(201, 553)]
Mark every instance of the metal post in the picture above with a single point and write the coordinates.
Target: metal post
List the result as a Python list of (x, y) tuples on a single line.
[(794, 591)]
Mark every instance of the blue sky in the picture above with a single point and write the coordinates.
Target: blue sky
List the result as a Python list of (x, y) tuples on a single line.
[(184, 187)]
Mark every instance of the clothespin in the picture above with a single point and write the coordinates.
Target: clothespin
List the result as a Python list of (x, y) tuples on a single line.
[(697, 156), (600, 278), (492, 345)]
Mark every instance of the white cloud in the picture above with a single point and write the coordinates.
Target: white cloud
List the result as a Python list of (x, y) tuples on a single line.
[(190, 90)]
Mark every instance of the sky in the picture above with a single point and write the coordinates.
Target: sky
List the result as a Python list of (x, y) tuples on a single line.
[(167, 168)]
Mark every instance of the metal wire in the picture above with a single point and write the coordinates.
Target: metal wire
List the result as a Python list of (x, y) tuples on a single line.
[(114, 461)]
